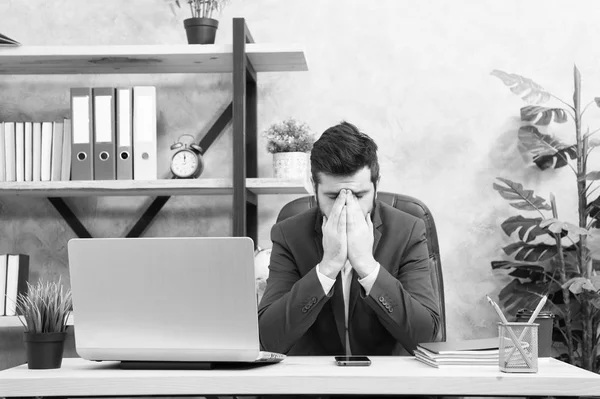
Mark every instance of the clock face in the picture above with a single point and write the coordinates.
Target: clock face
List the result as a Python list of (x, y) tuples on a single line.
[(184, 163)]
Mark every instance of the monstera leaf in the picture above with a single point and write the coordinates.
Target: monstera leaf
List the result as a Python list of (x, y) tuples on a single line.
[(591, 297), (531, 271), (593, 211), (542, 269), (543, 231), (524, 200), (547, 151), (527, 89), (530, 253), (579, 284), (571, 262), (517, 295), (530, 114), (557, 227), (587, 289), (593, 143), (593, 245), (528, 229)]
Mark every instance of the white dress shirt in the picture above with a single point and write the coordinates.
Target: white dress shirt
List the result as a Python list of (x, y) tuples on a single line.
[(367, 283)]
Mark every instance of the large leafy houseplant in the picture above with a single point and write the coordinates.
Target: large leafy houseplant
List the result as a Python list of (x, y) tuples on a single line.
[(552, 256)]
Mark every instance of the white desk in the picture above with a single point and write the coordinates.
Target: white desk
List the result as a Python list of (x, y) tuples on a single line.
[(300, 375)]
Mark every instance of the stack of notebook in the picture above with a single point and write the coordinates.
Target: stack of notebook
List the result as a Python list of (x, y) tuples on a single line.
[(475, 352)]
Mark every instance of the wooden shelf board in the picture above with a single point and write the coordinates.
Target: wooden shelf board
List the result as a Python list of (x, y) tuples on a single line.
[(118, 188), (13, 321), (177, 58), (267, 186), (166, 187)]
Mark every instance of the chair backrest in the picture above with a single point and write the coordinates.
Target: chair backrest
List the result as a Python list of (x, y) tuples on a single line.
[(409, 205)]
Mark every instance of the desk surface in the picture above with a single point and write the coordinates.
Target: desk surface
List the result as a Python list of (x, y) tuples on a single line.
[(300, 375)]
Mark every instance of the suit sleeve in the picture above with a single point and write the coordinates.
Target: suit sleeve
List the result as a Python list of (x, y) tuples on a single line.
[(291, 303), (406, 304)]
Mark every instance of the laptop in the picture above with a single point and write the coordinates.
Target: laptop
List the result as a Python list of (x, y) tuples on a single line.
[(168, 300)]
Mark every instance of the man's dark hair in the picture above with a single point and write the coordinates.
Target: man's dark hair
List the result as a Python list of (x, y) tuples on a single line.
[(343, 150)]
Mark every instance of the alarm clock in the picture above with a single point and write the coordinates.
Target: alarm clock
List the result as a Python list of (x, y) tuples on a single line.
[(187, 162)]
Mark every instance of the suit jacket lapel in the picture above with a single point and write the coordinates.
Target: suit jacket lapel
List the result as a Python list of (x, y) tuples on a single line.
[(355, 285), (337, 299)]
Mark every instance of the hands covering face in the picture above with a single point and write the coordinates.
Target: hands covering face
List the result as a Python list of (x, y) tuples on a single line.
[(347, 235)]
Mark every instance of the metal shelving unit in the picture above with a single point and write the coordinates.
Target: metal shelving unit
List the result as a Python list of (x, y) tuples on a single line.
[(245, 59)]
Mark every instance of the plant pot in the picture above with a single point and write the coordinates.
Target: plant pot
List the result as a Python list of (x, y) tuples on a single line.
[(44, 350), (546, 321), (290, 165), (201, 30)]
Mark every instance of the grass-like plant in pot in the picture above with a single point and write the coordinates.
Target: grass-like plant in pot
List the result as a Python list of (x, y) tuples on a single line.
[(552, 256), (289, 141), (43, 310), (202, 27)]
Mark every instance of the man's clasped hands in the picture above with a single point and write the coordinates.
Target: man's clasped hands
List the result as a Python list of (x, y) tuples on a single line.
[(347, 236)]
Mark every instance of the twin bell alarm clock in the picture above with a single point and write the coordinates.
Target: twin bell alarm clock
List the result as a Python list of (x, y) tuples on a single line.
[(187, 162)]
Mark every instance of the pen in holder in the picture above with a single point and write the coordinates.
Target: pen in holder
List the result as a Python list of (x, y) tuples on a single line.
[(518, 355)]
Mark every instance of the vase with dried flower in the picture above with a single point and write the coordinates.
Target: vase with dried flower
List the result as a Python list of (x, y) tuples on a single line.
[(290, 142), (201, 28), (43, 310)]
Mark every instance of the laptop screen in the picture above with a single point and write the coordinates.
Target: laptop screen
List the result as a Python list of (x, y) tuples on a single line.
[(167, 299)]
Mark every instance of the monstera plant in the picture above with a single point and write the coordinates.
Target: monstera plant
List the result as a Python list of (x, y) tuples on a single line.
[(552, 256)]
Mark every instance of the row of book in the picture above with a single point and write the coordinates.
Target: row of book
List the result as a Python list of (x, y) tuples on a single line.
[(14, 273), (474, 352), (114, 133), (111, 135), (35, 151)]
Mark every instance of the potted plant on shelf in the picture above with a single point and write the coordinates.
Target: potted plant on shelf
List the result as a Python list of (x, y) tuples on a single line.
[(201, 28), (290, 142), (552, 256), (43, 310)]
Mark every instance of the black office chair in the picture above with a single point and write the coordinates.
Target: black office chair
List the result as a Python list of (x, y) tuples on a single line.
[(409, 205)]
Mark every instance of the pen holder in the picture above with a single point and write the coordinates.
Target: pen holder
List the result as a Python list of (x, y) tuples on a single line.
[(518, 349)]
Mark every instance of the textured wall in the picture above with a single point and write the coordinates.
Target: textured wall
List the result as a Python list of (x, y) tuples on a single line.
[(414, 75)]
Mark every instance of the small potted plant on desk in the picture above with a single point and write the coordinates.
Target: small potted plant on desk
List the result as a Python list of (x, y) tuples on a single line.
[(202, 27), (43, 311), (290, 142)]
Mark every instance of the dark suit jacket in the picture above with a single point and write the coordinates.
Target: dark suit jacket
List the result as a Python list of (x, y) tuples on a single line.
[(297, 318)]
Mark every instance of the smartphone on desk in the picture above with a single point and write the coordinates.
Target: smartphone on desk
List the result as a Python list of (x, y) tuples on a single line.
[(352, 361)]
